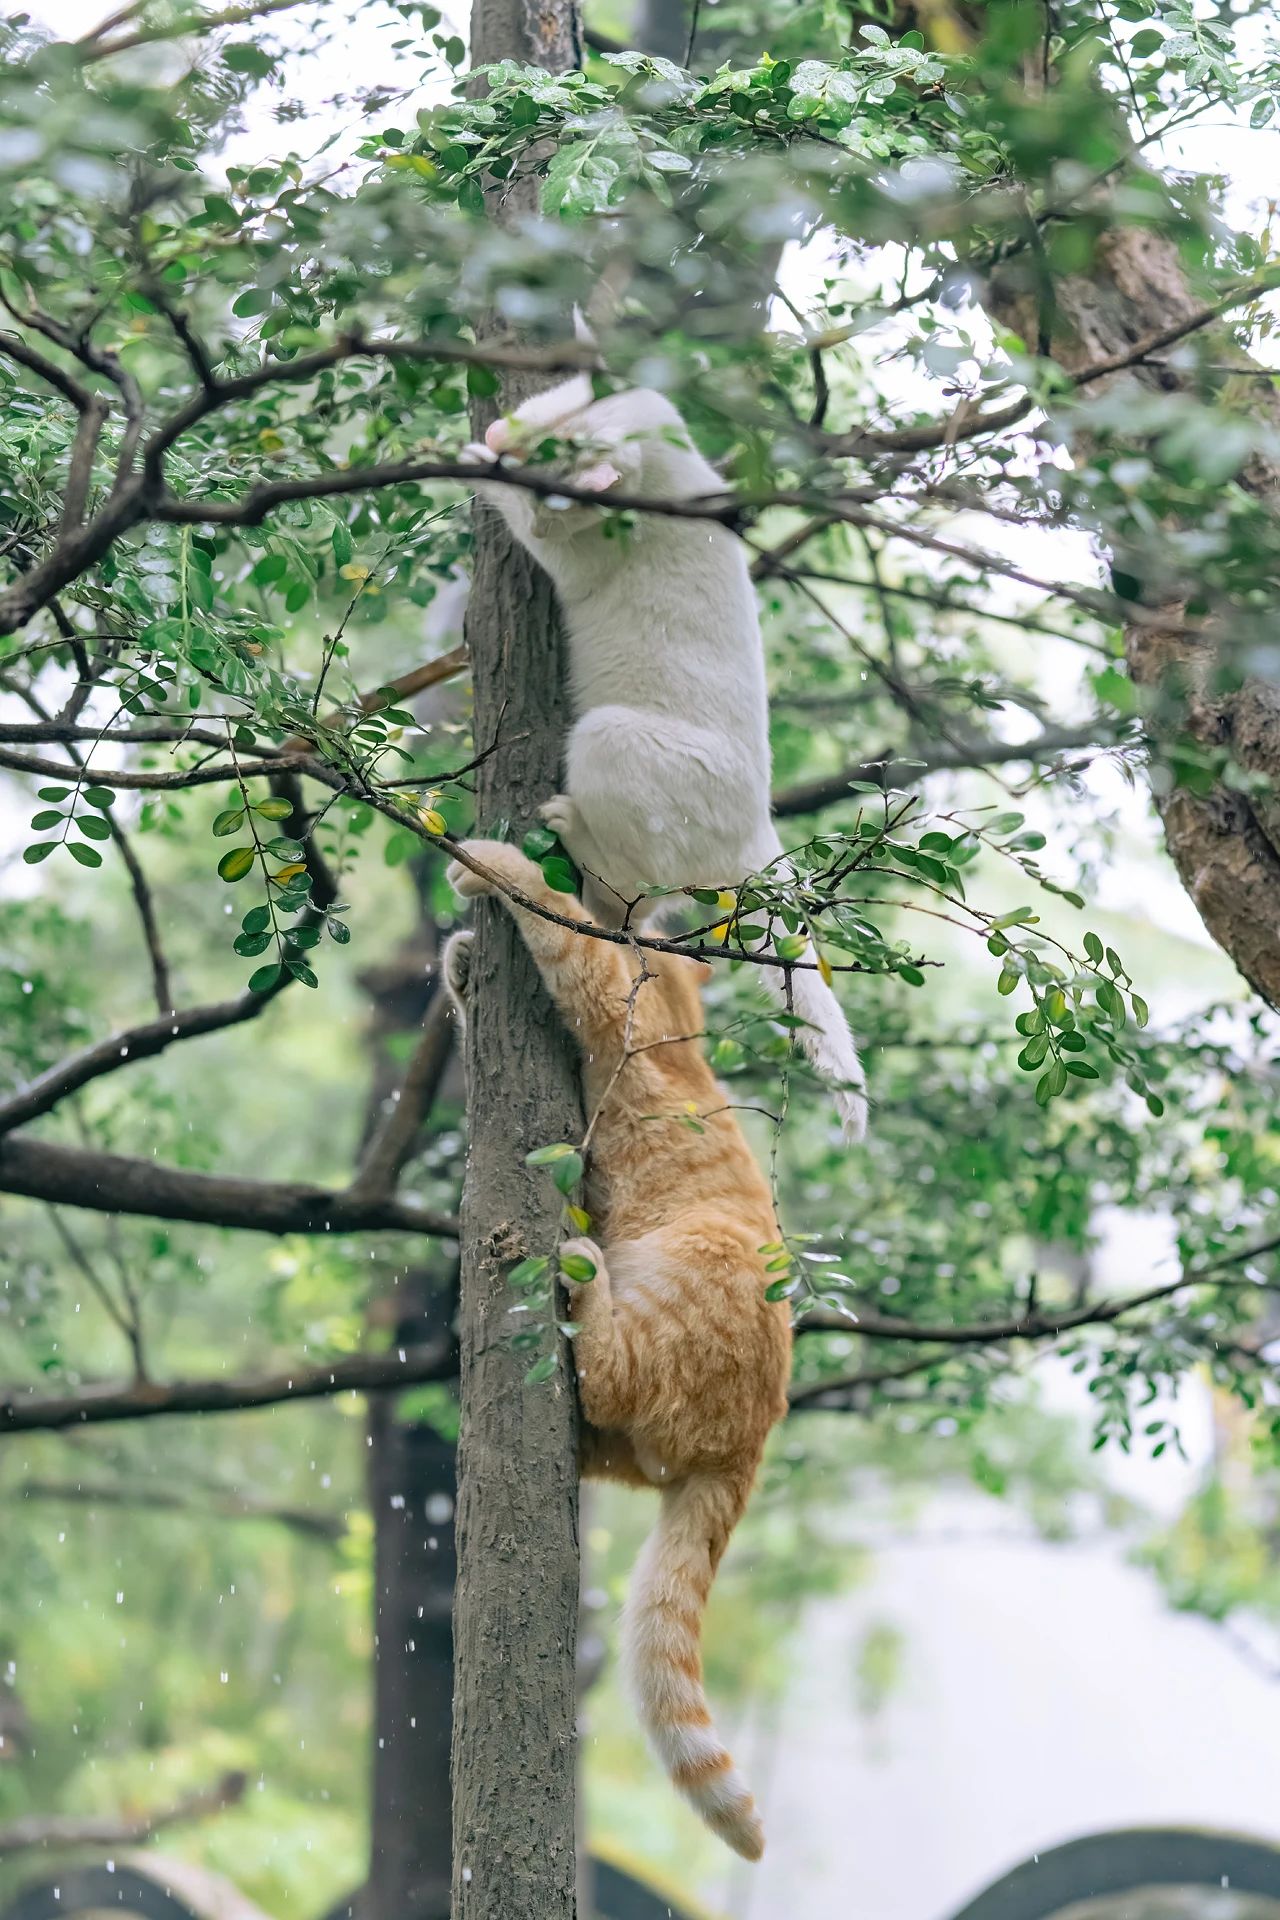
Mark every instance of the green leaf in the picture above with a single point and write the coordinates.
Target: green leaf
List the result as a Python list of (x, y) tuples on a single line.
[(92, 827), (338, 930), (1093, 947), (1020, 917), (52, 793), (566, 1173), (249, 944), (1082, 1069), (342, 544), (1111, 1000), (1034, 1052), (49, 817), (285, 849), (780, 1289), (273, 809), (256, 920), (265, 978), (252, 300), (482, 382), (559, 875), (243, 57), (272, 566), (87, 856), (1141, 1011), (530, 1271), (547, 1156), (577, 1267), (301, 971), (225, 823), (39, 850), (234, 865), (538, 843), (1155, 1105), (541, 1370), (99, 797)]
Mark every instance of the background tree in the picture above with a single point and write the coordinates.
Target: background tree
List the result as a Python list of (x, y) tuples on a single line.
[(234, 399)]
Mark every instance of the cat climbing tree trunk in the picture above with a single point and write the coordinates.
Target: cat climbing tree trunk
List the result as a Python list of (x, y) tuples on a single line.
[(515, 1618)]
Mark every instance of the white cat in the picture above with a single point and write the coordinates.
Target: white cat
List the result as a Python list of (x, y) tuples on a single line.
[(668, 760)]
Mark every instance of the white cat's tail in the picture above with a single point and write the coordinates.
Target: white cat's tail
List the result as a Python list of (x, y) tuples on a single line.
[(827, 1042), (825, 1038), (661, 1649)]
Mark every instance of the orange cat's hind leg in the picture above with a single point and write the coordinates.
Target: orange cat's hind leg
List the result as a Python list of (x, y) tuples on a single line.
[(604, 1349), (610, 1456)]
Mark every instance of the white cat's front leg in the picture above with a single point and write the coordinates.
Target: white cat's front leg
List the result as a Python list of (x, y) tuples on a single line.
[(515, 504), (562, 816)]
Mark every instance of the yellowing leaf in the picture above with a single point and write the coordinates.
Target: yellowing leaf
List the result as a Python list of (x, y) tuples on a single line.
[(726, 900), (353, 571), (291, 872), (721, 933), (270, 442), (578, 1217), (824, 967), (433, 822)]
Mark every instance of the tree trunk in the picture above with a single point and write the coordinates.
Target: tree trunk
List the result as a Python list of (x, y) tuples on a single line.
[(515, 1618), (1224, 843), (412, 1491)]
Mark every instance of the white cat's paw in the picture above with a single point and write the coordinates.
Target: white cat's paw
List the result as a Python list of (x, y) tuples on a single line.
[(456, 966), (476, 454), (575, 1251), (599, 478), (560, 814)]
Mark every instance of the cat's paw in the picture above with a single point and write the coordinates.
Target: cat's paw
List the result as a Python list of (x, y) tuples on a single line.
[(601, 477), (456, 967), (466, 884), (576, 1250), (506, 867), (560, 814), (476, 454)]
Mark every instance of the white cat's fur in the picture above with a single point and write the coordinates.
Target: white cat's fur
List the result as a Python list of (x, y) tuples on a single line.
[(668, 760)]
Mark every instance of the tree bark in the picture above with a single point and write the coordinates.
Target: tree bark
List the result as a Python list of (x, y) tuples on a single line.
[(1225, 844), (515, 1618)]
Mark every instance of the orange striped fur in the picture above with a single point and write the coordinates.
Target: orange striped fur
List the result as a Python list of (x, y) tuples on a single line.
[(682, 1364)]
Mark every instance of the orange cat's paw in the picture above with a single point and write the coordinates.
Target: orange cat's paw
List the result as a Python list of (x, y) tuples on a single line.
[(493, 854), (572, 1253)]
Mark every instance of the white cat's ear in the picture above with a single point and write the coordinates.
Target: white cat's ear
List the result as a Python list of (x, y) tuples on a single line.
[(599, 478), (581, 331)]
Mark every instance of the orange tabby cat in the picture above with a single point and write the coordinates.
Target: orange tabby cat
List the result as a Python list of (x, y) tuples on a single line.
[(682, 1364)]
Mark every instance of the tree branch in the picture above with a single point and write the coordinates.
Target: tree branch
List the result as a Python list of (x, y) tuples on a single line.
[(807, 796), (22, 1412), (117, 1830), (98, 46), (1038, 1325), (112, 1183), (228, 1505), (393, 1139)]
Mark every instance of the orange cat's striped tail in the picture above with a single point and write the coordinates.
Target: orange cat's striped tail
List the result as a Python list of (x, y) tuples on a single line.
[(661, 1641)]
